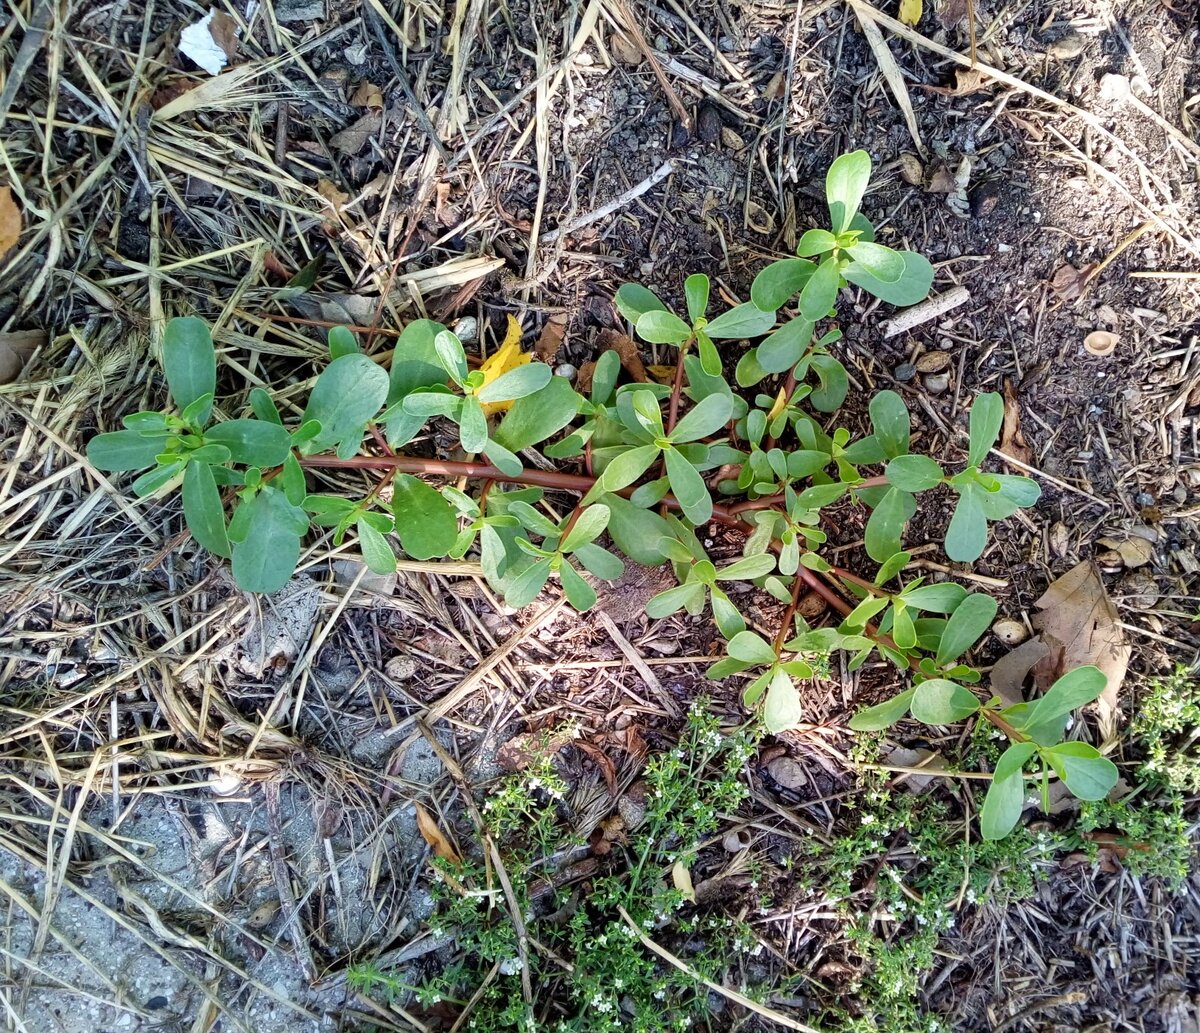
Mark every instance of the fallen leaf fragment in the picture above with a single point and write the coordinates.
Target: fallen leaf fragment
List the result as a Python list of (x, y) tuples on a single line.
[(903, 757), (503, 360), (682, 879), (16, 349), (354, 137), (1136, 547), (1009, 672), (910, 11), (211, 42), (1078, 624), (550, 340), (10, 221), (434, 836), (624, 49), (603, 762), (1068, 282), (332, 194), (368, 95), (1012, 440), (966, 81), (627, 350)]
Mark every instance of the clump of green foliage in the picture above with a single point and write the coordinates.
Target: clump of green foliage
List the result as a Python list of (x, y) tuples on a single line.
[(653, 456), (612, 981)]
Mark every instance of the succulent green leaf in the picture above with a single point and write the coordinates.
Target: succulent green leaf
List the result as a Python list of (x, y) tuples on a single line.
[(845, 184), (706, 417), (690, 595), (1087, 774), (425, 521), (780, 281), (782, 350), (600, 562), (815, 242), (883, 715), (122, 450), (1073, 690), (376, 552), (524, 586), (747, 569), (190, 362), (832, 383), (579, 593), (203, 509), (661, 327), (745, 320), (472, 426), (889, 418), (263, 406), (688, 487), (782, 708), (967, 624), (251, 442), (266, 531), (341, 341), (820, 293), (912, 287), (886, 524), (1006, 795), (633, 300), (987, 415), (347, 394), (942, 702), (966, 537), (516, 383), (623, 469), (914, 473), (449, 351), (635, 531), (941, 598), (695, 290), (590, 525), (883, 263), (750, 648)]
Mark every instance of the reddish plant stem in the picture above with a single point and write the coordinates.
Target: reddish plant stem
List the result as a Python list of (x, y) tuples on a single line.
[(785, 625), (676, 389), (789, 385), (769, 501)]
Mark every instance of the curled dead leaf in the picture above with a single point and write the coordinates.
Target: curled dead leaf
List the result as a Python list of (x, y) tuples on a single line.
[(682, 879), (737, 841), (10, 221), (624, 49), (932, 362), (550, 340), (1068, 282), (16, 349), (1009, 672), (1134, 549), (433, 835), (1012, 439), (627, 350), (354, 137), (368, 95), (787, 773), (1078, 624)]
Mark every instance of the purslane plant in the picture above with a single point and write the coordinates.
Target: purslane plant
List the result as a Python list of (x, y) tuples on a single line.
[(650, 459)]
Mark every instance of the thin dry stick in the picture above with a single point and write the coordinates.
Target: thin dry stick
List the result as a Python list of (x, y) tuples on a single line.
[(634, 29), (639, 664), (892, 74), (724, 991), (618, 202), (930, 308), (283, 885)]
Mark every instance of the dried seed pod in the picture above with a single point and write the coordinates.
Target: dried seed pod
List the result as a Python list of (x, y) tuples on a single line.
[(933, 362), (1011, 633), (731, 140), (1101, 342), (911, 169)]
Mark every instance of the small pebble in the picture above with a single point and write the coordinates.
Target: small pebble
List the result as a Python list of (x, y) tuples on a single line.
[(679, 135), (936, 383), (734, 842), (565, 370), (904, 372), (731, 140), (401, 668), (467, 329), (708, 123)]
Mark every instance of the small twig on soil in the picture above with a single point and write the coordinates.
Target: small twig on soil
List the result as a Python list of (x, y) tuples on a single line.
[(930, 308), (618, 202), (639, 664), (634, 29), (724, 991)]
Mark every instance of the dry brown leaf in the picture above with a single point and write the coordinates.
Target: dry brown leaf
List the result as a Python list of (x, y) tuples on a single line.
[(966, 81), (1008, 675), (603, 762), (16, 349), (661, 374), (434, 836), (583, 379), (611, 830), (10, 221), (522, 750), (550, 340), (332, 194), (368, 95), (1136, 546), (224, 31), (682, 879), (627, 350), (1012, 440), (903, 757), (1068, 282), (354, 137), (1079, 626), (953, 12), (624, 49)]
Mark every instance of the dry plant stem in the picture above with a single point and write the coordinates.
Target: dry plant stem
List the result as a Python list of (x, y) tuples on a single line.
[(782, 634)]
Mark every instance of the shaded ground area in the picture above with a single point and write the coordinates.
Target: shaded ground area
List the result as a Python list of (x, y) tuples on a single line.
[(208, 798)]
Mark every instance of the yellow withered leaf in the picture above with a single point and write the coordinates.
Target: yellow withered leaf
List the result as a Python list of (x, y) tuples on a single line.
[(435, 837), (910, 11), (503, 360)]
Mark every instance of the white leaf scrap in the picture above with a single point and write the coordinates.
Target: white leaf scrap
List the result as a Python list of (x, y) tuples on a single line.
[(197, 42)]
